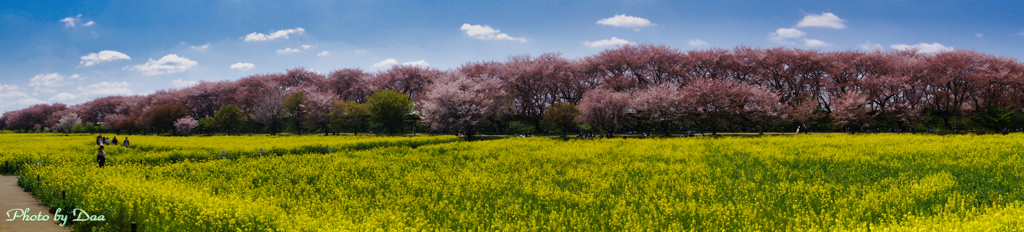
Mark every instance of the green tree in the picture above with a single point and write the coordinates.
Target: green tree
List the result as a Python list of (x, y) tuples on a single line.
[(995, 117), (293, 110), (207, 125), (228, 118), (79, 128), (349, 115), (562, 116), (163, 116), (389, 109)]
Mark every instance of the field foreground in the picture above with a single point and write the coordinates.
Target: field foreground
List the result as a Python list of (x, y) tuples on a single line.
[(807, 182)]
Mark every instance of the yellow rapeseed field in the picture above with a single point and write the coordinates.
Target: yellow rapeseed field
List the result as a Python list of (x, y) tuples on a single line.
[(886, 182)]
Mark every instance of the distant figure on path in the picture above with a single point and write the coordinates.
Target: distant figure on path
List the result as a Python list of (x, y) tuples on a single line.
[(101, 157)]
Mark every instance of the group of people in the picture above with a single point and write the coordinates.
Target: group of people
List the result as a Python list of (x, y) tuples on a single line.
[(101, 156), (100, 140), (585, 135)]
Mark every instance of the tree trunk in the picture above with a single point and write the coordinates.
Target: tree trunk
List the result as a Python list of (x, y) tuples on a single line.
[(666, 126), (945, 121), (714, 126), (536, 125)]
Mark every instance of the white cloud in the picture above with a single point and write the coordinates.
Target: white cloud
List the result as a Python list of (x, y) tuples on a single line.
[(1021, 33), (606, 42), (178, 83), (72, 21), (27, 102), (421, 63), (306, 46), (385, 63), (11, 91), (243, 66), (200, 48), (828, 20), (63, 97), (487, 33), (871, 47), (255, 36), (923, 48), (103, 56), (626, 21), (287, 51), (815, 43), (168, 64), (698, 43), (323, 53), (8, 87), (360, 51), (90, 23), (780, 35), (105, 89), (45, 83), (979, 35), (68, 22)]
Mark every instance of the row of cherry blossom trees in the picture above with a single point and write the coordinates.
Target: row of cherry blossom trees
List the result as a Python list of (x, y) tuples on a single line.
[(631, 87)]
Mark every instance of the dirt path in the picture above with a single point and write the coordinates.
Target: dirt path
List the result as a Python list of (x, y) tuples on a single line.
[(14, 197)]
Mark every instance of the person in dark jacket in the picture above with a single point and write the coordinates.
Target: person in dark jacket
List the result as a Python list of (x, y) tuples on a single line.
[(101, 157)]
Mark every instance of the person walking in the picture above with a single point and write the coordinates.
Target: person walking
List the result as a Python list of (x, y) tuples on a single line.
[(126, 141), (114, 141), (101, 157)]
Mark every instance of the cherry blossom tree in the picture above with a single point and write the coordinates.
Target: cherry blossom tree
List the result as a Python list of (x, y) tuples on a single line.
[(458, 102), (629, 67), (301, 77), (349, 84), (851, 110), (410, 80), (954, 77), (54, 118), (717, 102), (604, 109), (316, 110), (34, 117), (763, 108), (68, 121), (900, 88), (661, 104), (271, 98), (185, 125), (112, 122), (527, 80)]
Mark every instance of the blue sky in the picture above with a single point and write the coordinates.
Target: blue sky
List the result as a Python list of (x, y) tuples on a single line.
[(74, 51)]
